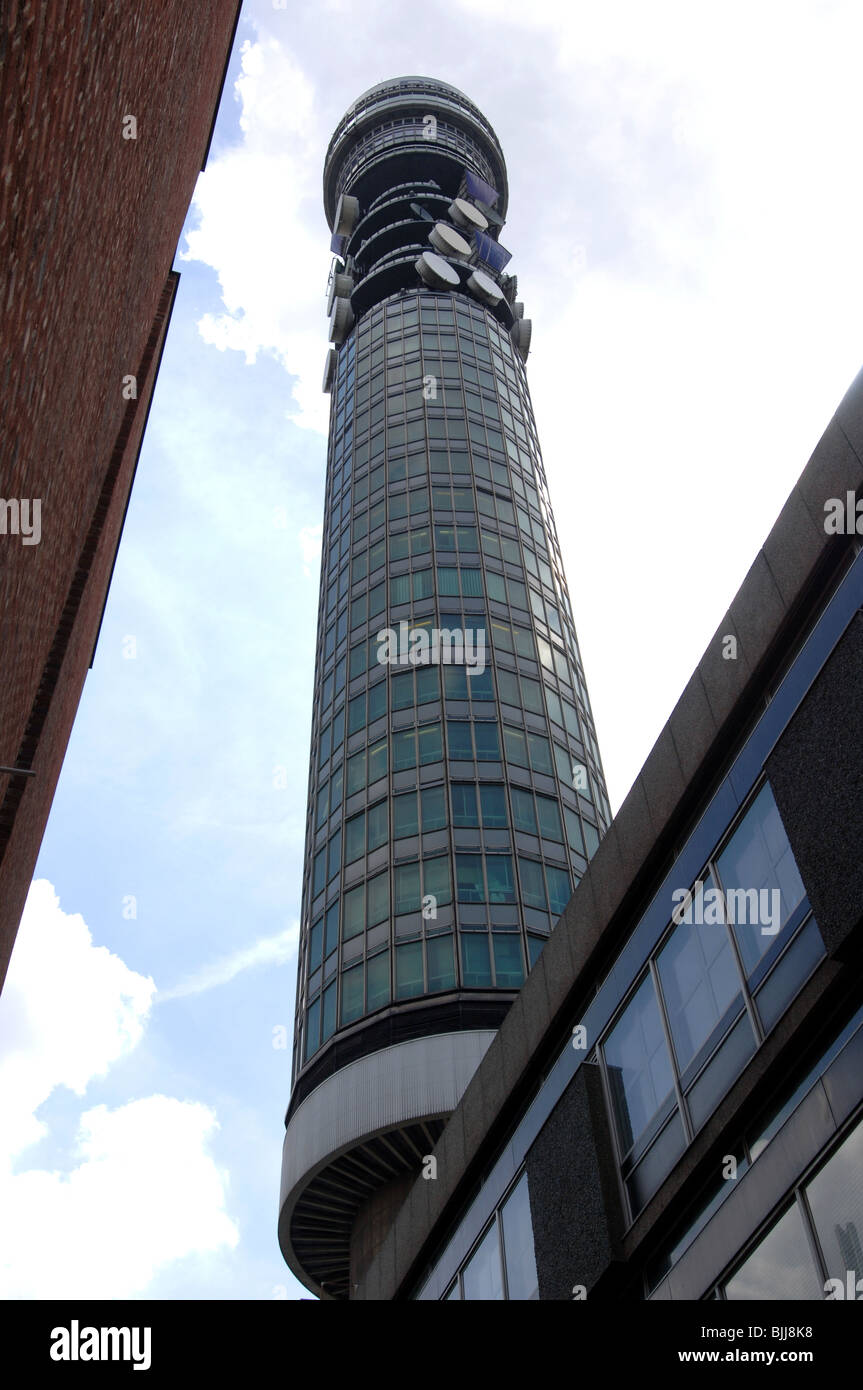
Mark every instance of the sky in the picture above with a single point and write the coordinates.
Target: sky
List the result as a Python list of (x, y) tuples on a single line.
[(685, 220)]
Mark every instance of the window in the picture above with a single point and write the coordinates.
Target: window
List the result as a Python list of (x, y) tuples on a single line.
[(757, 864), (493, 802), (476, 964), (407, 879), (519, 1256), (464, 812), (835, 1198), (409, 970), (352, 993), (433, 808), (405, 815), (441, 966), (780, 1266), (483, 1277), (469, 878), (638, 1064), (699, 981), (501, 884), (508, 967)]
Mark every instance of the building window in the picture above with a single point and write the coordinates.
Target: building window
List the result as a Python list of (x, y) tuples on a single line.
[(638, 1066), (760, 878)]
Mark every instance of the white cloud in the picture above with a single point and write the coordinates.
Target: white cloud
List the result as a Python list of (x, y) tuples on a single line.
[(69, 1010), (144, 1193), (269, 950), (310, 544), (262, 227), (142, 1190)]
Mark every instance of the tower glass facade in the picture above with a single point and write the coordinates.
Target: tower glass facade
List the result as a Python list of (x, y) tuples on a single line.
[(456, 790)]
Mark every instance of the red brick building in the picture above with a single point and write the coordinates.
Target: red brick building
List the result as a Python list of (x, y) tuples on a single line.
[(106, 114)]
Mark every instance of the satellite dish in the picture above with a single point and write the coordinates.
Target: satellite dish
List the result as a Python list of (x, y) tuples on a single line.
[(341, 320), (464, 214), (437, 273), (521, 337), (347, 212), (447, 240), (340, 288), (329, 370), (484, 288)]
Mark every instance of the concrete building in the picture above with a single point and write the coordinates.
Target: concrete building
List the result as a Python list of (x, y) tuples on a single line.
[(107, 114)]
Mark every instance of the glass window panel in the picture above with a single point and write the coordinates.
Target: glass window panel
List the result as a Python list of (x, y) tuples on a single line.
[(455, 682), (493, 802), (352, 993), (433, 808), (699, 980), (447, 581), (404, 750), (758, 861), (573, 830), (522, 810), (316, 942), (540, 754), (428, 684), (836, 1202), (519, 1255), (328, 1016), (357, 713), (638, 1065), (780, 1267), (377, 708), (559, 889), (482, 1278), (400, 589), (356, 772), (480, 684), (430, 743), (378, 980), (469, 878), (403, 690), (516, 748), (355, 837), (331, 928), (532, 884), (405, 818), (464, 812), (508, 965), (407, 888), (441, 964), (549, 818), (319, 872), (378, 825), (487, 742), (354, 912), (459, 740), (313, 1025), (409, 970), (378, 908), (436, 879), (475, 960), (501, 883)]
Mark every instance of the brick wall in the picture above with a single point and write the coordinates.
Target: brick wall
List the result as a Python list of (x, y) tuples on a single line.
[(89, 224)]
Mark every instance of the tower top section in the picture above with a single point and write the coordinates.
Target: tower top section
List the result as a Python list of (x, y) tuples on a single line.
[(391, 123)]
